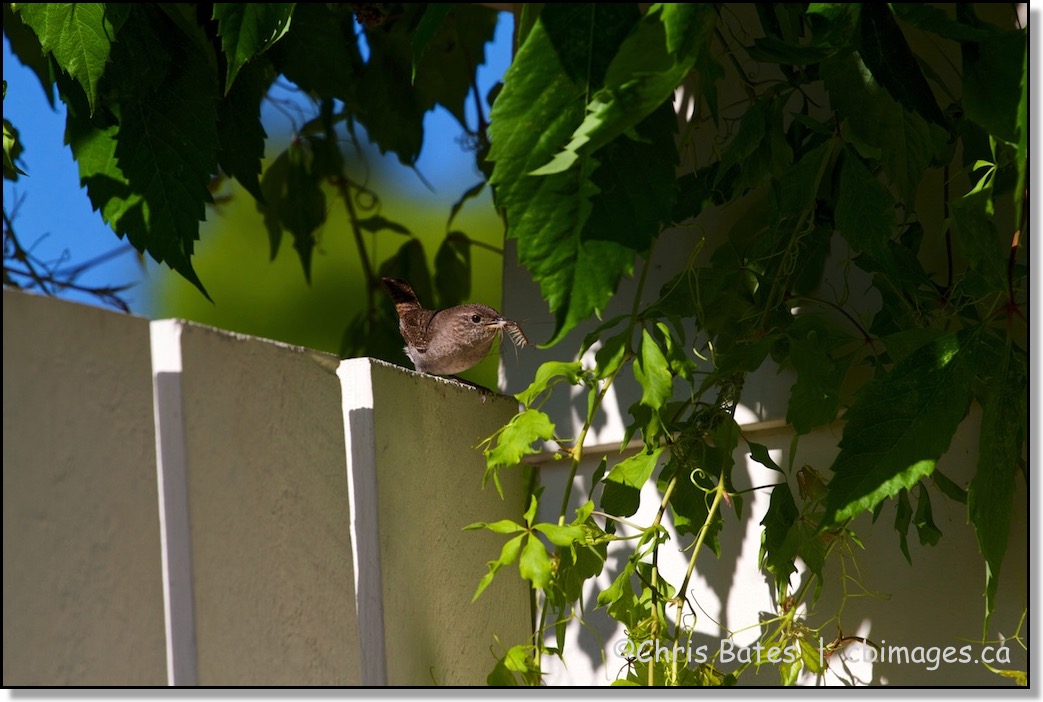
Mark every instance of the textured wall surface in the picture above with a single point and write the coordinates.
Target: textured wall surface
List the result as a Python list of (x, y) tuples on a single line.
[(187, 505), (83, 592)]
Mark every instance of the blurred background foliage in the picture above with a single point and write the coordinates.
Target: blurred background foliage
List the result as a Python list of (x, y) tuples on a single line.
[(269, 297), (366, 160)]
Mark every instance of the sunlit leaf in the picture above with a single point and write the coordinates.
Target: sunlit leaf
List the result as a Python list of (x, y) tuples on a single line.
[(78, 35), (652, 373), (508, 554), (534, 563), (247, 29), (515, 441), (548, 375), (578, 231), (901, 424)]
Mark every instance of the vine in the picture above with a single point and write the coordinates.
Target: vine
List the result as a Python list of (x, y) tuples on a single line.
[(839, 191)]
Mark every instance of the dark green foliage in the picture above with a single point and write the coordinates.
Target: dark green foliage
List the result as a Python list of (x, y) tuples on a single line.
[(840, 146)]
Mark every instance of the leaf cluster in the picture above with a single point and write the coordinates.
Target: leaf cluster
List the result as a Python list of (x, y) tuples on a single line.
[(164, 104), (839, 122)]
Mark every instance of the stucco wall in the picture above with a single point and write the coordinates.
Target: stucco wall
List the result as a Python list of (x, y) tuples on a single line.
[(184, 505)]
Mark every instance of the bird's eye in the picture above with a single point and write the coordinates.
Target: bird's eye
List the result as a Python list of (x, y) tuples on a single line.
[(476, 318)]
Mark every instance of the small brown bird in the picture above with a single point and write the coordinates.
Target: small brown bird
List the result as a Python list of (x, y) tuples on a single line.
[(450, 340)]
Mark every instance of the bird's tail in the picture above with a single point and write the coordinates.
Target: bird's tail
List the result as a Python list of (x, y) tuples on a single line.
[(401, 294)]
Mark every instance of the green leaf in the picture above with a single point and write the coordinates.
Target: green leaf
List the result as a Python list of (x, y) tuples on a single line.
[(501, 676), (543, 100), (779, 539), (865, 213), (619, 596), (394, 100), (239, 128), (789, 671), (1019, 677), (751, 154), (633, 186), (561, 535), (652, 373), (612, 354), (530, 513), (472, 192), (443, 72), (948, 488), (26, 46), (78, 35), (893, 64), (900, 344), (317, 40), (504, 526), (677, 359), (430, 22), (815, 397), (774, 50), (979, 238), (745, 357), (900, 425), (548, 375), (623, 483), (936, 20), (12, 149), (534, 564), (149, 175), (578, 565), (759, 453), (508, 554), (834, 24), (990, 495), (992, 78), (643, 74), (1020, 191), (799, 186), (519, 660), (903, 518), (695, 466), (378, 223), (453, 269), (877, 126), (926, 529), (394, 115), (294, 199), (514, 442), (248, 29)]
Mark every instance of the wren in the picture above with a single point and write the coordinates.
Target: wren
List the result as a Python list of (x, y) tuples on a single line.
[(450, 340)]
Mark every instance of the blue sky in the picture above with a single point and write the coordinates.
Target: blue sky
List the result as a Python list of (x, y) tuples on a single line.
[(54, 218)]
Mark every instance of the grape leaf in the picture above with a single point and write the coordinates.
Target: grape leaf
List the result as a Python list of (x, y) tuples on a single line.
[(247, 29), (79, 35), (900, 425), (149, 173)]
